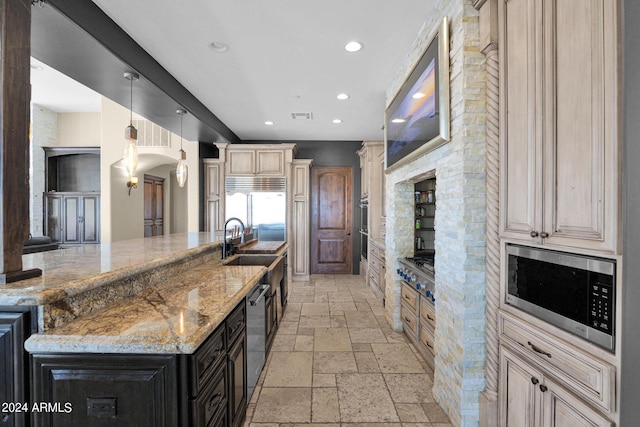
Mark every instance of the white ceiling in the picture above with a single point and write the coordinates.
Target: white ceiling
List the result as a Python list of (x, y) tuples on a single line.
[(285, 56)]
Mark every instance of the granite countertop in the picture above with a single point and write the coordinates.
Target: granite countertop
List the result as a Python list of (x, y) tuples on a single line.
[(76, 270), (262, 247), (172, 317)]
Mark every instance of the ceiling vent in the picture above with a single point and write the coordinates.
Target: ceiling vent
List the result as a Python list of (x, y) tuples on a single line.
[(307, 116)]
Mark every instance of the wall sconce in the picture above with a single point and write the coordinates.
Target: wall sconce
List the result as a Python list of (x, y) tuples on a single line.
[(132, 183)]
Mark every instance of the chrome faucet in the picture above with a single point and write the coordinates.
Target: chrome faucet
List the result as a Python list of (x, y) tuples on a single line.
[(224, 238)]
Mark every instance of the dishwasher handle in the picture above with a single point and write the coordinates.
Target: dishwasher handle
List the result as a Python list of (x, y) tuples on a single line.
[(264, 289)]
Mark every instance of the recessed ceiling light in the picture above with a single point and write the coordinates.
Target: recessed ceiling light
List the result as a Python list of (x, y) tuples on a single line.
[(342, 96), (36, 67), (269, 123), (418, 95), (353, 46), (337, 121), (398, 121), (219, 47)]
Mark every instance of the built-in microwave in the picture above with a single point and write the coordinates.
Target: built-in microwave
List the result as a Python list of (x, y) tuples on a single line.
[(573, 292)]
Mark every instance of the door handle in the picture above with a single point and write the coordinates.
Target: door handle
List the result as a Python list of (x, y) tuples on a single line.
[(348, 234)]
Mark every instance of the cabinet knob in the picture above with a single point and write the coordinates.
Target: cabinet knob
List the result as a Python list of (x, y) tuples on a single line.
[(544, 235), (543, 388), (534, 380), (534, 234)]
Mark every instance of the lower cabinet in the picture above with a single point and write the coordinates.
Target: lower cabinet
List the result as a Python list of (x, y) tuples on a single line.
[(15, 327), (271, 307), (204, 389), (528, 398)]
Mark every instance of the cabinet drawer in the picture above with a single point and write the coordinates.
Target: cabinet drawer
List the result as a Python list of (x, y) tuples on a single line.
[(235, 324), (206, 408), (374, 263), (375, 251), (204, 361), (409, 297), (409, 320), (427, 340), (373, 278), (589, 377), (427, 312)]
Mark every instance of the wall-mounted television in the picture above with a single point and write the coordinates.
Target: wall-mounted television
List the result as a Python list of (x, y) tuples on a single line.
[(417, 120)]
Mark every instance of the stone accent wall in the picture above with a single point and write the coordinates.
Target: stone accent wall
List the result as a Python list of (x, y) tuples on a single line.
[(44, 133), (460, 170)]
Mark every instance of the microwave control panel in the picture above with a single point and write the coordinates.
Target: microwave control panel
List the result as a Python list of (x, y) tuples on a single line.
[(601, 301)]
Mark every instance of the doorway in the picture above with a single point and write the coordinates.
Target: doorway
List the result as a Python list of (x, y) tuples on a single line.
[(153, 206), (331, 220)]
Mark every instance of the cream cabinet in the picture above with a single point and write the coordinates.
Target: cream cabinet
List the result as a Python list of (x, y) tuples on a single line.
[(243, 162), (559, 72), (377, 268), (301, 227), (547, 382), (530, 399), (213, 195)]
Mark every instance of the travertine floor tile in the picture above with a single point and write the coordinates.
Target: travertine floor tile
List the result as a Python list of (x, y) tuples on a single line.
[(283, 405), (332, 339), (409, 388), (367, 363), (315, 309), (303, 343), (324, 406), (435, 413), (364, 398), (334, 362), (324, 380), (289, 369), (314, 322), (367, 335), (411, 412), (378, 380), (396, 358)]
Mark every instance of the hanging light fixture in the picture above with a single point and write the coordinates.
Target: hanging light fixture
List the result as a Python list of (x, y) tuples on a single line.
[(181, 169), (131, 134)]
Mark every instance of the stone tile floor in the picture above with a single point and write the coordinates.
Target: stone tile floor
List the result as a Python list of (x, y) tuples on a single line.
[(335, 361)]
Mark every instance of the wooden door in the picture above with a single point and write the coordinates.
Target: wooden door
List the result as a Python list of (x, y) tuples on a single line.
[(153, 206), (331, 219), (563, 409)]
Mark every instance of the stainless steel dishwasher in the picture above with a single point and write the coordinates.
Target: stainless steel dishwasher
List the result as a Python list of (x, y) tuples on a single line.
[(256, 334)]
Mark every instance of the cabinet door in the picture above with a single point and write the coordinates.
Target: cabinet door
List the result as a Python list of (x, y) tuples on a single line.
[(562, 409), (271, 318), (54, 218), (214, 195), (71, 211), (520, 165), (237, 368), (581, 137), (270, 162), (106, 390), (13, 380), (90, 219), (519, 397), (242, 162)]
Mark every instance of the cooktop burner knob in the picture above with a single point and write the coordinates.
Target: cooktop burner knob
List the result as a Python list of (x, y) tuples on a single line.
[(427, 293)]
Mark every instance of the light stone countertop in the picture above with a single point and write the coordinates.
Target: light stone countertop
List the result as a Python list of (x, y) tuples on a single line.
[(172, 317), (76, 270)]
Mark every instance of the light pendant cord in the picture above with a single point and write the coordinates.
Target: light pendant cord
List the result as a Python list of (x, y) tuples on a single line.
[(131, 103)]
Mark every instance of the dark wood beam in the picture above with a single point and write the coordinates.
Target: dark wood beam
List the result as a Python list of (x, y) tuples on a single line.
[(78, 39), (15, 95)]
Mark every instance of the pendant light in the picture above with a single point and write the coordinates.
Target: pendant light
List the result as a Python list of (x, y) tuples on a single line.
[(181, 169), (131, 134)]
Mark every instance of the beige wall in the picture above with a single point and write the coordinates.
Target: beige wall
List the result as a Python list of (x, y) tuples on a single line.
[(122, 215), (79, 129)]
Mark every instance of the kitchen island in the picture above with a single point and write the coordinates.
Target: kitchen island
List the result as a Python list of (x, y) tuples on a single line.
[(151, 333)]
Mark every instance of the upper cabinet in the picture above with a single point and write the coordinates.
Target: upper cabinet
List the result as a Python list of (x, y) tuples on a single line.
[(264, 162), (560, 174)]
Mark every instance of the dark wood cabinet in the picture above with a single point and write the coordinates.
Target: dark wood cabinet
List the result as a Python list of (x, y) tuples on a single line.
[(204, 389), (72, 217), (106, 390), (237, 370), (16, 324), (271, 324)]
